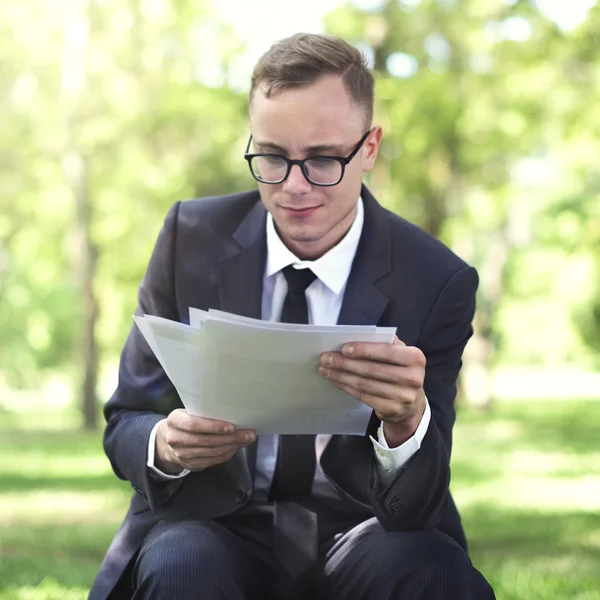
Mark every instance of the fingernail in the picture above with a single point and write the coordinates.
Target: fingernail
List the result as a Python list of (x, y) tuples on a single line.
[(326, 359), (229, 428), (249, 436), (324, 371), (349, 350)]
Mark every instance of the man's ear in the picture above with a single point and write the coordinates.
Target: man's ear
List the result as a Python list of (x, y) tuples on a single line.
[(371, 148)]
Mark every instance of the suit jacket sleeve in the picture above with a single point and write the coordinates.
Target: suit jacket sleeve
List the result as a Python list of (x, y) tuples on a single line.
[(415, 498), (144, 394)]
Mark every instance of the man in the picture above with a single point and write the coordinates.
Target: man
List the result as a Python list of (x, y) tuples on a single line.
[(218, 514)]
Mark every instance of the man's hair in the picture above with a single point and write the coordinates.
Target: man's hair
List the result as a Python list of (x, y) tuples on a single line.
[(302, 58)]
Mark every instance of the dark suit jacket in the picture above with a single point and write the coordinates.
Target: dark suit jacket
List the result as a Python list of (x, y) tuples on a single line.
[(211, 254)]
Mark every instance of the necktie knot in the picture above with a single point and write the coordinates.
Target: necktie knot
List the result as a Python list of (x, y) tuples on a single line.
[(298, 279)]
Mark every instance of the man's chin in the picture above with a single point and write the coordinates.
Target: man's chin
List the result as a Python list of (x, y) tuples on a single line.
[(293, 237), (302, 237)]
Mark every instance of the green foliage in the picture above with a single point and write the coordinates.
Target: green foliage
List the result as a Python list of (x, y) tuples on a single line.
[(128, 101)]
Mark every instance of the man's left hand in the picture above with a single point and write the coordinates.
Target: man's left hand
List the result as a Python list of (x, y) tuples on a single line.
[(387, 377)]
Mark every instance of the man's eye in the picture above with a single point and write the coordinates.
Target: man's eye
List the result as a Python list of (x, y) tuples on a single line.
[(273, 160), (320, 161)]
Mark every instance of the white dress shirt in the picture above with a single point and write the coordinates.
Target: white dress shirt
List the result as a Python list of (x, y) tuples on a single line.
[(324, 299)]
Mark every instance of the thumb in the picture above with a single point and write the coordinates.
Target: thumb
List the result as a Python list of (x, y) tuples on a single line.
[(398, 342)]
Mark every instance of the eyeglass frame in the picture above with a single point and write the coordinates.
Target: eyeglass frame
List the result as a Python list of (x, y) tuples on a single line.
[(343, 160)]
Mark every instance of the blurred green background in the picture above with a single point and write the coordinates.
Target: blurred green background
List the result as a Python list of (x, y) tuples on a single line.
[(114, 109)]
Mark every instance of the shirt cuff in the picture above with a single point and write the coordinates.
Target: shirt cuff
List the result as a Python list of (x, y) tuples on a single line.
[(150, 461), (393, 459)]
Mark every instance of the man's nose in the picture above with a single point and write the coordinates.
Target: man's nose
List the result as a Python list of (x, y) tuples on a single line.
[(296, 182)]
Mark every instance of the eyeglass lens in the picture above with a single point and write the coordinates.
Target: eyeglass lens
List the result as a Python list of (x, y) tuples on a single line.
[(273, 169)]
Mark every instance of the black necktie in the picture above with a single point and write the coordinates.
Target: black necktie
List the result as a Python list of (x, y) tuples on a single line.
[(296, 460), (296, 535)]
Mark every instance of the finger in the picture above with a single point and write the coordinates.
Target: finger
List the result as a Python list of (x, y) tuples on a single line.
[(192, 454), (385, 410), (178, 438), (398, 342), (370, 387), (374, 402), (396, 354), (411, 376), (181, 419), (199, 464)]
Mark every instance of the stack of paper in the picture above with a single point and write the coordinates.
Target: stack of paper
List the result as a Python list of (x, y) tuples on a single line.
[(257, 374)]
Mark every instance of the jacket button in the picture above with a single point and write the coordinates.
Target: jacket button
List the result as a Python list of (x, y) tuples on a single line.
[(241, 496)]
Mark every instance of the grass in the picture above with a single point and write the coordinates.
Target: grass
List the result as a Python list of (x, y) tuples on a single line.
[(526, 476), (527, 479)]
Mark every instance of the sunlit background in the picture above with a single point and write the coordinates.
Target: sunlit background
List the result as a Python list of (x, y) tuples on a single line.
[(114, 109)]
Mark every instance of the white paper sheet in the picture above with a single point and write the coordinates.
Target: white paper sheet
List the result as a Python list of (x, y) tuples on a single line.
[(180, 348), (219, 315), (197, 317), (259, 375), (269, 380)]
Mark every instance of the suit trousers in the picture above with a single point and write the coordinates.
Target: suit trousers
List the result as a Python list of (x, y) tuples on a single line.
[(231, 558)]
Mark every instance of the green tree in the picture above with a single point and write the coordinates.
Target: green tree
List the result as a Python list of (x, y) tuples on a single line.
[(462, 95), (110, 110)]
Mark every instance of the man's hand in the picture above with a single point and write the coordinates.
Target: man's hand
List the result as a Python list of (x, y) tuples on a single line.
[(184, 441), (387, 377)]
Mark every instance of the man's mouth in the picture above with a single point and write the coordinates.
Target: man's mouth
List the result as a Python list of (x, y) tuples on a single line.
[(301, 210)]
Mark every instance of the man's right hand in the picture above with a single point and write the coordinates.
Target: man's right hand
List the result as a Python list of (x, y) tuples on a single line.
[(184, 441)]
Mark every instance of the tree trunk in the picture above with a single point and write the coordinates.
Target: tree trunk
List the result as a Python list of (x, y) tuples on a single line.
[(76, 167), (476, 375), (76, 172)]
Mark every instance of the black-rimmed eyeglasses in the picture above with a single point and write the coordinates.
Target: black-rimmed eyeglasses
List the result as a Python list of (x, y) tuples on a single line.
[(318, 170)]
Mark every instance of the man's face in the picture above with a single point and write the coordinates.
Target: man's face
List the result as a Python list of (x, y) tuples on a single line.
[(314, 120)]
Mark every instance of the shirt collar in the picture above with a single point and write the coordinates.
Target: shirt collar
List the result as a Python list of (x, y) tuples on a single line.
[(333, 268)]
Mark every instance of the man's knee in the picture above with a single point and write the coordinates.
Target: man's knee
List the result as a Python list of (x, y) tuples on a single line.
[(182, 556), (429, 563), (416, 546)]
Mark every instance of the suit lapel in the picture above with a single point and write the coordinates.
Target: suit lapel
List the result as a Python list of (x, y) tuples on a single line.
[(364, 303), (241, 273)]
